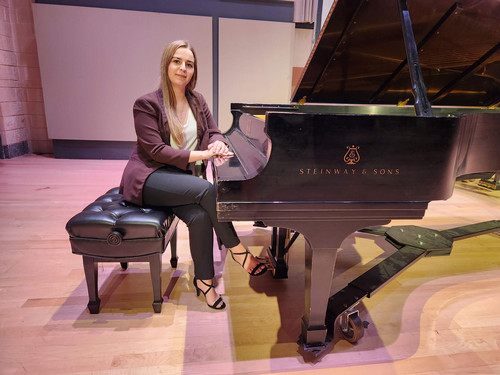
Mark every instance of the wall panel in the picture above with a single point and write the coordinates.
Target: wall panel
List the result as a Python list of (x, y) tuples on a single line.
[(95, 62), (254, 63)]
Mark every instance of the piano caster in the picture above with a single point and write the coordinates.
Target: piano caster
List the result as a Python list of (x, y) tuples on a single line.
[(492, 183), (351, 326)]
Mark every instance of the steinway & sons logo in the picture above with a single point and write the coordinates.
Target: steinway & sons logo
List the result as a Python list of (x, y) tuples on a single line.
[(351, 157)]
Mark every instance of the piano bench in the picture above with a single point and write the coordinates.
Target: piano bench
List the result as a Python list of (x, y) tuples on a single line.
[(112, 230)]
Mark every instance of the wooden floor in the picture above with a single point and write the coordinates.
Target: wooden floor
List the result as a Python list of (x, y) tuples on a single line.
[(441, 316)]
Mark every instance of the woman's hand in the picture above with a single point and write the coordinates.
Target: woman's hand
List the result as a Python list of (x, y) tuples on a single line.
[(219, 160), (200, 155), (219, 148), (216, 149)]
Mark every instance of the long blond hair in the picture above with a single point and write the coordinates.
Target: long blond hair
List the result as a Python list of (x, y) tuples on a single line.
[(174, 124)]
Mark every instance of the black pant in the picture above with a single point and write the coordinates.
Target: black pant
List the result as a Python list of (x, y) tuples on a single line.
[(192, 199)]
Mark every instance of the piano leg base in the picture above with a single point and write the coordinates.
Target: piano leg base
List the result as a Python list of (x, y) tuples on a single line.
[(313, 338), (315, 349)]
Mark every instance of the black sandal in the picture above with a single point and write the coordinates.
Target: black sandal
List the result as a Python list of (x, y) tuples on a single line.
[(210, 286), (255, 271)]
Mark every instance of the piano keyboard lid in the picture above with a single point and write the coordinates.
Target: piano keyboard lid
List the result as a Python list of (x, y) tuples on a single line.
[(360, 55)]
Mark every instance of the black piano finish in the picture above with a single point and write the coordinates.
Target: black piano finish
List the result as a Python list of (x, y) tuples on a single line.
[(360, 56), (309, 150), (291, 171), (298, 154), (327, 171)]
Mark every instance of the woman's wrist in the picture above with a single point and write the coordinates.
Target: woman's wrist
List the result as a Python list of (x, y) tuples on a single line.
[(200, 155), (207, 154)]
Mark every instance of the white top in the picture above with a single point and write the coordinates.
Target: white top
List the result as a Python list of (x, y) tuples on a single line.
[(190, 134), (190, 140)]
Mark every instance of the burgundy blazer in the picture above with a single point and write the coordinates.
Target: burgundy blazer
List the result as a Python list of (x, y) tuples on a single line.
[(153, 150)]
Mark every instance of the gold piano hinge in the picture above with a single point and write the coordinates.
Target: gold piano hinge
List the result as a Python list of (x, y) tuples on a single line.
[(403, 103), (303, 100)]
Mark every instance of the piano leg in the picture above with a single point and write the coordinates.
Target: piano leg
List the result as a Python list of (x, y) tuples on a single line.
[(323, 239), (320, 265)]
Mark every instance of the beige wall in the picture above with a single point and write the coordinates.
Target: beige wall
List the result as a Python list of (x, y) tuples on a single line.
[(243, 45), (255, 64), (96, 62), (22, 117), (303, 44)]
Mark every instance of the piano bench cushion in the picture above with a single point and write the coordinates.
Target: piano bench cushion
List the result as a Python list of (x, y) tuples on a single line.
[(112, 228)]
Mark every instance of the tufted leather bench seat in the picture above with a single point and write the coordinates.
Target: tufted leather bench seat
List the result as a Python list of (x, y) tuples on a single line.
[(111, 230)]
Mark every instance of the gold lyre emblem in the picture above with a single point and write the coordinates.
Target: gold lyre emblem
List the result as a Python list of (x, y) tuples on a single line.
[(352, 155)]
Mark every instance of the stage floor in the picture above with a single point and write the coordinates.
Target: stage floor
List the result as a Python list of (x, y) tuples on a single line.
[(440, 316)]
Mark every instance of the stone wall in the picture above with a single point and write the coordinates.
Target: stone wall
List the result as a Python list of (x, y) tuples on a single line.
[(23, 127)]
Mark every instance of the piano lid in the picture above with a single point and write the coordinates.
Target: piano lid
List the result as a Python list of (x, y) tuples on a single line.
[(360, 55)]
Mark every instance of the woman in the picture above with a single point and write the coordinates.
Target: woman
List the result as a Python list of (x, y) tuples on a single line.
[(176, 135)]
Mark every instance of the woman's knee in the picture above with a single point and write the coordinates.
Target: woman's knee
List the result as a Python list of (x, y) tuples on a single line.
[(209, 196), (196, 217), (208, 187)]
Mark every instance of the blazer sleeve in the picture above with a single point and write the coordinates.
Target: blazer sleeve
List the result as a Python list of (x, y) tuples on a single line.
[(147, 118)]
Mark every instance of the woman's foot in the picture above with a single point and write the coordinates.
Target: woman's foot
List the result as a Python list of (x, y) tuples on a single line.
[(249, 263), (206, 287)]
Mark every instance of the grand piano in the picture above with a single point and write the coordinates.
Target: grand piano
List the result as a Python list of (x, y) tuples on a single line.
[(398, 99)]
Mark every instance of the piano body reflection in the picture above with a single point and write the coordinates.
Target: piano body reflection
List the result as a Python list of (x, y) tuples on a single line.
[(328, 170)]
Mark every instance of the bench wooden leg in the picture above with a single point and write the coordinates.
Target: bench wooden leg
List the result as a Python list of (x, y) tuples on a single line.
[(155, 269), (90, 268), (173, 250)]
